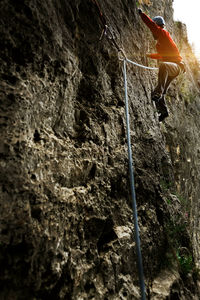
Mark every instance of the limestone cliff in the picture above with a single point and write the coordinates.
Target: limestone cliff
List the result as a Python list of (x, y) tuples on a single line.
[(66, 218)]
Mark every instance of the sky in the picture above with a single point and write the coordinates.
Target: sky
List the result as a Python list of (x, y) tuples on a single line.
[(188, 12)]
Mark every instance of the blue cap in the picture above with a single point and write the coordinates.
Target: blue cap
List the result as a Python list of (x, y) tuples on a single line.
[(159, 20)]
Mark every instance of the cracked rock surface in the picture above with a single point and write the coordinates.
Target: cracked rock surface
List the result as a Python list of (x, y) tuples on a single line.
[(66, 226)]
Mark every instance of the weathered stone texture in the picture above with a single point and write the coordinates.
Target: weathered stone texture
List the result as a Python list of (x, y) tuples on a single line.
[(66, 216)]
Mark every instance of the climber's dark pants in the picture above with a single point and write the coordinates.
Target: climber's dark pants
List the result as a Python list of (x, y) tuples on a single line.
[(168, 71)]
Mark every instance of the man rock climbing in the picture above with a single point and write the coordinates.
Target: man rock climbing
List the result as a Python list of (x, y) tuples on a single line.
[(170, 61)]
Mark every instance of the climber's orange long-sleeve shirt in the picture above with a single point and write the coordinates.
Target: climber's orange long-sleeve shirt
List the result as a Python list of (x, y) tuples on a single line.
[(166, 48)]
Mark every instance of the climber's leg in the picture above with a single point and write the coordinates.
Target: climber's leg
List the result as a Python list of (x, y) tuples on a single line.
[(167, 72)]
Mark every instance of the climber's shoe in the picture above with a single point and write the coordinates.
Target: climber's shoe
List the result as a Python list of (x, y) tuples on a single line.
[(162, 108), (156, 96), (163, 116)]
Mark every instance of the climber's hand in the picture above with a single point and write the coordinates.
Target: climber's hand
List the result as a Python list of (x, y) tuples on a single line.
[(139, 11)]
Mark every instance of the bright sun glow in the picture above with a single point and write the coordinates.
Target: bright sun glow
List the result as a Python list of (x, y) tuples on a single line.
[(188, 13)]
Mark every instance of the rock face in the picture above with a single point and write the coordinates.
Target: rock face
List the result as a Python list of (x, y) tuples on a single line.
[(66, 217)]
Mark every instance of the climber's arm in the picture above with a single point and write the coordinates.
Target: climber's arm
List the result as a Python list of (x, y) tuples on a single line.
[(149, 23)]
